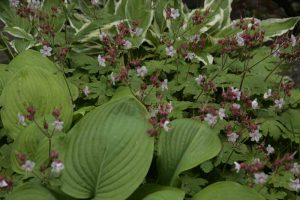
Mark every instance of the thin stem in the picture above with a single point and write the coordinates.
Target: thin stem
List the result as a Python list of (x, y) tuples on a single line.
[(273, 70), (65, 78)]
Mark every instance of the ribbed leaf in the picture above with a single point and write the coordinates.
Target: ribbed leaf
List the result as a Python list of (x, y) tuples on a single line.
[(187, 145), (157, 192), (30, 191), (108, 152), (30, 58), (227, 191), (37, 87)]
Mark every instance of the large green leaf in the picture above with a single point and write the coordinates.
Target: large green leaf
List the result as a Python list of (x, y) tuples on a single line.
[(187, 145), (227, 190), (30, 191), (157, 192), (33, 86), (32, 58), (108, 152)]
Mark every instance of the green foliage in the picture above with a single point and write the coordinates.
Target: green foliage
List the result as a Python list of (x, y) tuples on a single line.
[(187, 99)]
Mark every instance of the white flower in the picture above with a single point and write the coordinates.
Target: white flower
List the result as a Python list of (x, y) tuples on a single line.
[(94, 2), (254, 104), (86, 91), (113, 78), (295, 168), (166, 126), (14, 3), (200, 79), (46, 51), (295, 184), (3, 183), (102, 36), (236, 106), (57, 167), (279, 103), (101, 61), (58, 125), (210, 119), (260, 178), (164, 85), (190, 56), (174, 13), (21, 119), (35, 3), (170, 51), (239, 39), (270, 150), (28, 166), (232, 137), (137, 31), (268, 94), (169, 107), (127, 44), (236, 93), (142, 71), (221, 113), (237, 167), (255, 135), (293, 40)]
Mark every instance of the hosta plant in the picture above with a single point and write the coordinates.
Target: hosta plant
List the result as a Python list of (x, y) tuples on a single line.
[(131, 99)]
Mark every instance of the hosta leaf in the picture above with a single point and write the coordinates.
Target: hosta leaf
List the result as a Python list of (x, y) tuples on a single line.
[(108, 152), (220, 6), (32, 58), (30, 191), (272, 27), (157, 192), (187, 145), (276, 27), (141, 12), (18, 32), (33, 86), (227, 190)]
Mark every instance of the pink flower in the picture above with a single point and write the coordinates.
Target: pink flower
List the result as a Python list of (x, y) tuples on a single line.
[(232, 137), (295, 184), (210, 119), (101, 61)]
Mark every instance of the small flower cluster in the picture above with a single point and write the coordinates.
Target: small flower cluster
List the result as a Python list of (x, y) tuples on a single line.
[(199, 18), (159, 118)]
